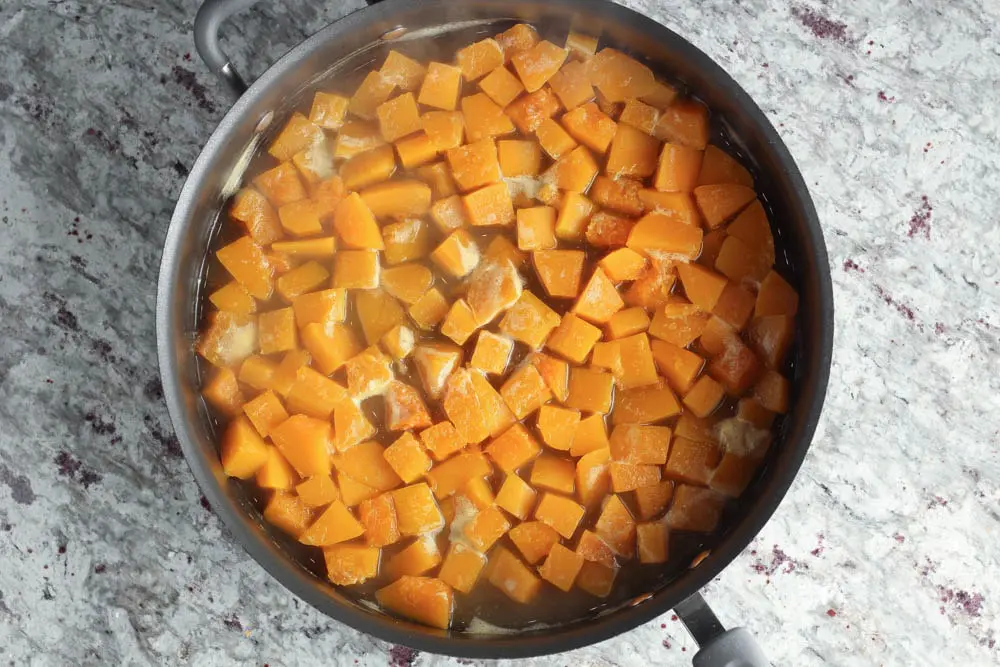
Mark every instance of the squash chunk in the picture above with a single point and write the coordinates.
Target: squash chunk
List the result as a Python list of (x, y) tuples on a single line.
[(423, 599)]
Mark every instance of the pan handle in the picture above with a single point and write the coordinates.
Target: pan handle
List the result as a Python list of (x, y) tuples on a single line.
[(210, 17), (719, 647)]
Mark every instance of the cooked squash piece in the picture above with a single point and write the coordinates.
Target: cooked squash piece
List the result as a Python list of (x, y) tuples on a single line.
[(423, 599)]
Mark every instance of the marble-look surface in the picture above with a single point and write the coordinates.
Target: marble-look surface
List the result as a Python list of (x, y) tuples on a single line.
[(885, 550)]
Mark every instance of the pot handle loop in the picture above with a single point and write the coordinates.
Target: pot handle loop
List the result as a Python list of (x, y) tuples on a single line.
[(719, 647), (210, 17)]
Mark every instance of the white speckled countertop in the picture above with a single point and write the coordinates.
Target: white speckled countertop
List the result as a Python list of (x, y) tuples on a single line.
[(883, 553)]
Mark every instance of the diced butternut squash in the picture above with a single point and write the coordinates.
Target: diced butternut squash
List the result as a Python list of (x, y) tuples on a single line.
[(449, 476), (704, 396), (752, 412), (356, 137), (416, 510), (233, 298), (736, 367), (223, 392), (365, 463), (770, 338), (305, 278), (653, 288), (555, 372), (349, 564), (351, 427), (245, 262), (407, 458), (314, 394), (633, 153), (260, 218), (356, 269), (606, 230), (318, 491), (397, 199), (529, 320), (399, 341), (462, 567), (475, 164), (490, 205), (677, 169), (525, 391), (573, 338), (488, 526), (378, 516), (684, 122), (368, 168), (776, 297), (478, 492), (559, 513), (695, 509), (530, 111), (632, 443), (419, 557), (574, 171), (501, 86), (478, 58), (404, 408), (534, 540), (325, 307), (628, 322), (658, 232), (636, 367), (353, 492), (461, 404), (591, 434), (373, 91), (513, 577), (404, 73), (281, 185), (536, 228), (553, 473), (435, 362), (617, 527), (599, 299), (265, 412), (336, 524), (735, 305), (553, 139), (618, 194), (398, 117), (702, 286), (423, 599), (692, 462), (639, 115), (680, 367), (593, 479), (678, 323), (631, 476), (297, 134), (771, 391), (591, 127), (558, 426), (282, 377), (590, 390), (355, 224), (559, 271), (645, 405), (494, 287), (516, 497), (596, 579), (288, 513), (561, 567), (719, 203), (243, 451), (537, 64), (652, 500), (484, 119), (328, 110), (519, 37), (620, 77), (652, 538), (572, 86), (513, 449), (417, 150), (492, 352), (719, 167), (429, 309)]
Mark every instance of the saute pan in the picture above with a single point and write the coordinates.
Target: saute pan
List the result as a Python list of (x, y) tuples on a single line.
[(361, 39)]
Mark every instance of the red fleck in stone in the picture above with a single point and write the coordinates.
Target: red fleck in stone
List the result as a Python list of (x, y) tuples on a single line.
[(831, 613)]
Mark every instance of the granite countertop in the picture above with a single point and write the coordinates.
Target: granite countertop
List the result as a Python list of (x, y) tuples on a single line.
[(885, 550)]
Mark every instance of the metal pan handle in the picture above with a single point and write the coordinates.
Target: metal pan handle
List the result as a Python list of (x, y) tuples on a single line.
[(210, 17), (719, 647)]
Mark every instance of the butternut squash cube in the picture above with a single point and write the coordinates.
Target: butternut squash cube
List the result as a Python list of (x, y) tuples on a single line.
[(325, 307), (771, 337), (591, 434), (435, 363), (459, 324), (590, 390), (378, 516), (365, 463), (287, 512), (639, 115), (441, 86), (258, 216), (607, 230), (735, 305), (678, 323), (620, 77), (368, 168), (378, 312), (399, 341), (297, 134), (429, 309), (558, 426), (536, 228), (318, 491), (678, 366), (314, 394), (373, 91), (652, 542), (398, 117), (516, 497), (328, 110), (326, 196), (406, 282), (356, 137), (407, 458), (488, 526), (678, 167), (572, 85), (417, 150), (771, 391), (368, 374), (559, 513), (555, 372), (449, 476), (243, 451), (484, 119), (559, 271), (561, 567), (661, 96), (519, 158), (500, 249), (516, 39), (478, 492), (335, 524), (353, 492), (637, 367), (501, 86), (276, 331), (534, 540), (462, 567), (356, 269), (233, 298), (736, 367), (478, 58), (536, 65), (628, 322), (574, 171), (351, 427), (406, 241), (591, 127), (398, 199), (229, 338), (490, 205), (617, 527), (529, 320), (530, 111), (553, 473), (695, 509), (573, 338), (282, 377), (573, 217), (684, 122), (461, 404), (652, 500), (719, 167), (457, 255), (594, 549), (599, 300), (403, 72), (355, 222), (776, 297), (750, 411), (719, 203), (525, 391), (422, 599), (658, 232), (692, 462), (492, 352), (281, 185), (418, 557), (580, 45), (633, 153), (704, 396), (751, 227), (349, 564), (513, 577), (475, 164), (593, 479), (645, 405), (265, 412), (416, 510), (647, 445), (716, 337), (494, 287), (618, 194), (245, 262), (223, 393), (305, 278), (652, 289), (553, 139), (631, 476), (449, 214), (512, 450)]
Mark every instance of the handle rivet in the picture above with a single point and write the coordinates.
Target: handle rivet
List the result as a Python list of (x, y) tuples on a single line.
[(395, 33)]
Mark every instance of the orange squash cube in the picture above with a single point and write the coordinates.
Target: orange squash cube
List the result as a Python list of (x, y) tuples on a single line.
[(736, 367), (488, 526), (478, 492), (318, 491), (353, 492), (678, 206), (739, 262), (417, 150), (513, 577), (258, 216), (462, 567), (368, 168), (558, 426), (422, 599), (618, 194), (771, 337), (406, 282), (647, 445), (223, 393), (302, 279), (591, 434), (378, 516), (694, 428), (416, 510), (652, 538), (399, 341), (356, 137), (536, 65), (314, 394), (573, 338), (716, 337), (398, 117), (534, 540), (245, 262), (516, 39), (661, 96), (607, 355), (593, 479), (678, 168), (328, 110), (553, 139), (378, 312), (492, 353), (590, 390), (351, 427), (645, 405), (580, 45), (406, 241), (513, 449), (429, 309), (711, 247), (297, 134), (494, 287), (368, 374), (407, 458), (233, 298), (435, 363), (281, 185), (594, 549), (365, 463), (704, 396), (445, 130), (633, 153), (229, 338), (735, 305), (525, 391), (458, 254), (574, 171), (474, 164), (695, 509), (631, 476), (441, 86), (355, 224), (606, 230), (617, 527), (288, 513), (529, 320), (276, 331), (678, 366), (733, 474), (636, 365), (652, 500), (628, 322), (684, 122), (265, 412), (449, 476), (559, 271), (325, 307), (750, 411), (555, 372), (752, 227), (653, 288), (561, 567), (449, 214), (619, 77), (490, 205), (692, 462), (719, 167), (397, 199), (591, 127), (484, 119), (639, 115), (480, 57), (404, 73), (553, 473), (596, 579), (657, 232), (501, 86), (242, 451), (282, 377), (776, 297), (529, 112), (573, 217), (373, 91), (437, 175), (356, 269), (702, 286), (599, 299), (419, 557), (678, 323), (516, 497), (336, 524), (559, 513), (349, 564), (771, 391), (519, 158), (495, 412), (719, 203), (572, 85), (461, 404)]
